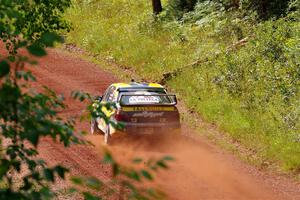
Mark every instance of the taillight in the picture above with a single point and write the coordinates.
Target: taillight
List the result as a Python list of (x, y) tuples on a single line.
[(121, 116)]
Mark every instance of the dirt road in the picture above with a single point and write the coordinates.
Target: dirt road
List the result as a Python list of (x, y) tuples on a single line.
[(201, 170)]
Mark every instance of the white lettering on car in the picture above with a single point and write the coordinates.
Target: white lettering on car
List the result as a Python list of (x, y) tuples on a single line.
[(143, 99), (147, 114)]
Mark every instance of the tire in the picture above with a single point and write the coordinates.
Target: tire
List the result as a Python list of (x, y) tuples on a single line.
[(107, 135), (94, 127)]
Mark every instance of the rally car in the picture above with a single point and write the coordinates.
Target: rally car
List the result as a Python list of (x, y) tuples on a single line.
[(140, 108)]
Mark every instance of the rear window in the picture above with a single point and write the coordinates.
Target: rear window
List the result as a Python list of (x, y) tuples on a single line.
[(146, 98)]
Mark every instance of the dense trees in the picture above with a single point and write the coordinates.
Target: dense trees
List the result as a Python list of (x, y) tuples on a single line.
[(269, 8), (264, 8)]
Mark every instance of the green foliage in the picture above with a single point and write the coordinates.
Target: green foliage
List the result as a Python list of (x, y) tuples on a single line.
[(26, 115), (205, 12), (30, 19), (177, 8), (236, 71), (266, 9), (4, 68)]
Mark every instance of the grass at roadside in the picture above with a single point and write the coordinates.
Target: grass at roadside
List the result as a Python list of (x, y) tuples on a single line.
[(250, 90)]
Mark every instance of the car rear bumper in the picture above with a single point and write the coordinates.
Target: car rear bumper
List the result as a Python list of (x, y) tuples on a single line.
[(151, 128)]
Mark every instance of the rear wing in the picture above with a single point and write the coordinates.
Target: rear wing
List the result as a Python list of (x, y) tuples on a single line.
[(148, 99)]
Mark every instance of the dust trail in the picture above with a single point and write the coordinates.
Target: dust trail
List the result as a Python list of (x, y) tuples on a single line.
[(201, 171)]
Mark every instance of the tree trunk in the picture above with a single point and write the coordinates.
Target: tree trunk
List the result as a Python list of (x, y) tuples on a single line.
[(157, 8)]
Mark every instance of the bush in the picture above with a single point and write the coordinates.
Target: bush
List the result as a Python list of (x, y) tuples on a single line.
[(267, 9), (175, 9)]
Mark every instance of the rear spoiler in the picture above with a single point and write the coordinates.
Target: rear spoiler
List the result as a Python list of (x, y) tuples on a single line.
[(170, 97)]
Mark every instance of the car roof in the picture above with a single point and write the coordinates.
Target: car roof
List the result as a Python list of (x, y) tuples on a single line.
[(135, 85)]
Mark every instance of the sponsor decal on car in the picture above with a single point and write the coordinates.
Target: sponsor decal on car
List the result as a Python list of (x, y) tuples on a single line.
[(149, 108), (147, 114), (143, 99)]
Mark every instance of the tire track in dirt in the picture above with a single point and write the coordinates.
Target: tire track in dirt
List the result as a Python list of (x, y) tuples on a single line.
[(201, 170)]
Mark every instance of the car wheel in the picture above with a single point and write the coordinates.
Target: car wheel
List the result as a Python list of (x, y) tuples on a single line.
[(107, 135), (94, 127)]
